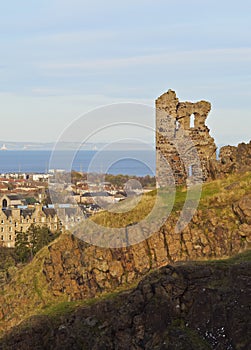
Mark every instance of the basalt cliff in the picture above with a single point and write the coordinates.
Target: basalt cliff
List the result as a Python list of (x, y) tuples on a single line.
[(188, 306)]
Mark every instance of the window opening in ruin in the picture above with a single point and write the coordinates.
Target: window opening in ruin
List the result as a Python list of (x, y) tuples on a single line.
[(190, 171), (4, 203), (192, 119), (218, 153)]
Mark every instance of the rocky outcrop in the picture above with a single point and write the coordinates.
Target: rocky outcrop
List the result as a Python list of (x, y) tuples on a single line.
[(219, 230), (232, 160), (79, 271), (243, 210), (190, 306)]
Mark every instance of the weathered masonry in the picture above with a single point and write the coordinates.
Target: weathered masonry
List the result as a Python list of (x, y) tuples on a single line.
[(177, 124)]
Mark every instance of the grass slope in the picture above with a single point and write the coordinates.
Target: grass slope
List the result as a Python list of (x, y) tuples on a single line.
[(30, 285)]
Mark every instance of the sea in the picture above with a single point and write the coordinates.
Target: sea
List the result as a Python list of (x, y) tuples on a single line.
[(131, 162)]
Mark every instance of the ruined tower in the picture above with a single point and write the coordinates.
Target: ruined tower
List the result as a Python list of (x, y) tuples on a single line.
[(179, 125)]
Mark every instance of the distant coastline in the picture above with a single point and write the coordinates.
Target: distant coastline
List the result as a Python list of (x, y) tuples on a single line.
[(49, 146), (128, 162)]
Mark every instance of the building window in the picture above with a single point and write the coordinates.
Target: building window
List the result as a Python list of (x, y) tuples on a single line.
[(2, 222), (4, 203), (10, 229), (9, 237), (2, 238), (2, 229)]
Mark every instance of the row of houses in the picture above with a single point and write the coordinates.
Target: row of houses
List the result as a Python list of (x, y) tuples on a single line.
[(16, 218)]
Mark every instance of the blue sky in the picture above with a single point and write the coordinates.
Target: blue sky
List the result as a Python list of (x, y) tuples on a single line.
[(60, 58)]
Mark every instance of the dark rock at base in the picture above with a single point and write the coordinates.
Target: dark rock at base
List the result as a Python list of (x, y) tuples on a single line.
[(187, 306)]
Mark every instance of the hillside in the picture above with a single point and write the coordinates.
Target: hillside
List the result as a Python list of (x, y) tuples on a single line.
[(70, 270), (185, 306)]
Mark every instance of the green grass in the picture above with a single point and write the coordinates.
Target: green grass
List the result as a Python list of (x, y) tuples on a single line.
[(237, 259), (66, 307), (214, 194), (60, 309)]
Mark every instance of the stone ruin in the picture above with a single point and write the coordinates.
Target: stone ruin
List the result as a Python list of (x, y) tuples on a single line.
[(178, 126)]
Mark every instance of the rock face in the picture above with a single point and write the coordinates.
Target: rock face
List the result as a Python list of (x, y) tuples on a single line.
[(231, 160), (192, 306), (82, 271), (71, 270), (180, 126)]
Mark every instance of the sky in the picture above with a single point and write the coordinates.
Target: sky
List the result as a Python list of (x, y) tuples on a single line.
[(60, 59)]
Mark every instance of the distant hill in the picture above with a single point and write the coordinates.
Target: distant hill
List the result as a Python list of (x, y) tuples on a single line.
[(36, 146)]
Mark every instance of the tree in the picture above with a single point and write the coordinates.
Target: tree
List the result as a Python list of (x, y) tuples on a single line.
[(30, 200), (39, 237), (22, 248), (30, 242)]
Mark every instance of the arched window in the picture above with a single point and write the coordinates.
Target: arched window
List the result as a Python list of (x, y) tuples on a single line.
[(4, 203), (192, 119)]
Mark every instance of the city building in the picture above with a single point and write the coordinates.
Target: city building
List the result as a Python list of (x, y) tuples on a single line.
[(15, 218)]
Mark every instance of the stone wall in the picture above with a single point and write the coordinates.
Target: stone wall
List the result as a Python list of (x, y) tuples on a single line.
[(181, 125), (177, 124)]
